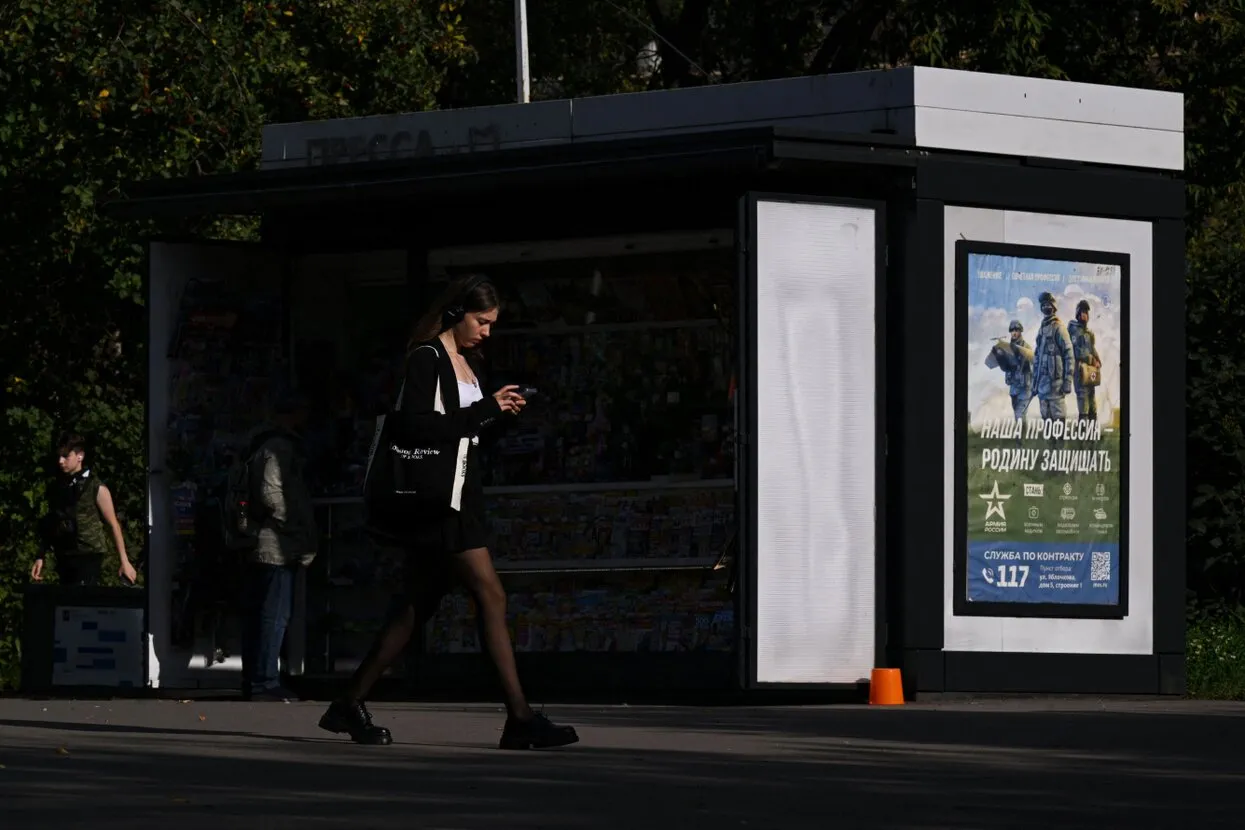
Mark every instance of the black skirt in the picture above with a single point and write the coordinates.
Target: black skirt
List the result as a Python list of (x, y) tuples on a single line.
[(453, 532), (430, 546)]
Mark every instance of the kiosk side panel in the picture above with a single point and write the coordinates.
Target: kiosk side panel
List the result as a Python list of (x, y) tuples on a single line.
[(812, 476), (915, 448), (1169, 457)]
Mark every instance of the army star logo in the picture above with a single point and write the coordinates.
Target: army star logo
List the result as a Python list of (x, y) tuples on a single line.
[(994, 502)]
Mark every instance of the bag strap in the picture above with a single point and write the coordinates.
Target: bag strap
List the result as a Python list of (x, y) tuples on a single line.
[(397, 402), (438, 400)]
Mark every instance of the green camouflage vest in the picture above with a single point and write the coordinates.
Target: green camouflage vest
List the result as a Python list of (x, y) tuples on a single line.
[(92, 535)]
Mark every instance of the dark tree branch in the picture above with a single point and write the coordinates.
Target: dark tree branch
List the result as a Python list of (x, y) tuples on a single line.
[(684, 35), (849, 38), (656, 14)]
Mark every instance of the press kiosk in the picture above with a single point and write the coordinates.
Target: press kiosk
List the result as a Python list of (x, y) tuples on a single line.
[(838, 372)]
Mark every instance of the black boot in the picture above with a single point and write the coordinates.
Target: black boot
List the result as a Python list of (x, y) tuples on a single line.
[(351, 717), (537, 733)]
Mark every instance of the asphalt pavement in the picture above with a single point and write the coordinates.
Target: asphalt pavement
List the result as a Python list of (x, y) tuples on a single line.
[(1019, 764)]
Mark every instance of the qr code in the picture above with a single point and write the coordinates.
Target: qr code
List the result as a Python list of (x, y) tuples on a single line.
[(1100, 566)]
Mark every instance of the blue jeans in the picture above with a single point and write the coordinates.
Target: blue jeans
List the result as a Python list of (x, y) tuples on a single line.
[(267, 595)]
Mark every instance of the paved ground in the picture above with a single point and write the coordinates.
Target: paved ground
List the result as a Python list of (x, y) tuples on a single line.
[(1015, 764)]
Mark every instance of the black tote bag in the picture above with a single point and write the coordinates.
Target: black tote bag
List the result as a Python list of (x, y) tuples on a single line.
[(405, 478)]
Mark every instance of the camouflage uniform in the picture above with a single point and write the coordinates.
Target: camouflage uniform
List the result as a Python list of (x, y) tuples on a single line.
[(1020, 377), (1053, 367), (1085, 348)]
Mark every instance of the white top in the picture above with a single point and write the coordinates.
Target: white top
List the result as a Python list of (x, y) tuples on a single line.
[(468, 393)]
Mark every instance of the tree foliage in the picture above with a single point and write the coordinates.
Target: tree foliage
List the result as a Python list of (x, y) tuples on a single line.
[(584, 47), (102, 92), (1216, 406)]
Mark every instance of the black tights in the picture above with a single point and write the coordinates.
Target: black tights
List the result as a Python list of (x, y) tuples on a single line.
[(475, 569)]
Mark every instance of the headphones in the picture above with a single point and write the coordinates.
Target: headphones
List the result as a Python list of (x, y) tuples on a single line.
[(455, 313)]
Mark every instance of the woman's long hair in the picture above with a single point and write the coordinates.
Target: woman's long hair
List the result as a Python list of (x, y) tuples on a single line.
[(482, 296)]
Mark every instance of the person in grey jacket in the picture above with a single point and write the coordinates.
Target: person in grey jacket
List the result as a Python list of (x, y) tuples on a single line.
[(287, 541)]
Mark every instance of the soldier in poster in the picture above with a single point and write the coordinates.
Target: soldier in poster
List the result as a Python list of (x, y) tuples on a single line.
[(1085, 380), (1018, 369), (1054, 362)]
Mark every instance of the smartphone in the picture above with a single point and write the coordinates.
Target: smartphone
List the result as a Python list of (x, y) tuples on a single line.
[(526, 392)]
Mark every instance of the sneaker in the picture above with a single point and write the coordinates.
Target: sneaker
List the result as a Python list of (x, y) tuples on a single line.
[(537, 733), (351, 717)]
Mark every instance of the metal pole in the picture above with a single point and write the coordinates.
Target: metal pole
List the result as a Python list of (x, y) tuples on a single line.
[(522, 70)]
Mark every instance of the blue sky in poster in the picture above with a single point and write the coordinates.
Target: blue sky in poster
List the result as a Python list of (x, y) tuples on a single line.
[(1005, 288), (1006, 281)]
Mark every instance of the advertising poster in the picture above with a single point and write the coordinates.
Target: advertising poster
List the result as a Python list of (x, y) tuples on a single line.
[(1041, 388)]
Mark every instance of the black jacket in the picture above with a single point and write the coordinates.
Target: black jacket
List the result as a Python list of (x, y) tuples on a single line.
[(428, 411)]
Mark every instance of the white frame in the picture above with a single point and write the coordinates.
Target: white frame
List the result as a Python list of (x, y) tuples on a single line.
[(1036, 635)]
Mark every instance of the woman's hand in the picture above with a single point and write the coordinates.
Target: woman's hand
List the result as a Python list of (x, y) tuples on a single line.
[(509, 400)]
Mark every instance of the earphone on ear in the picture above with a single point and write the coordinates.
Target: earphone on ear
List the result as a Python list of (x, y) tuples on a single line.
[(455, 313)]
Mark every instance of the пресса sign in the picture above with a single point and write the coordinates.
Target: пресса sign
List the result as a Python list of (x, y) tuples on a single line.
[(346, 149)]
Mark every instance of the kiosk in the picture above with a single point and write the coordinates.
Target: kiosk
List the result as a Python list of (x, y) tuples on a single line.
[(842, 372)]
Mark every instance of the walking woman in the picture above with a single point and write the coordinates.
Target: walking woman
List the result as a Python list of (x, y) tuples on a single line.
[(442, 405)]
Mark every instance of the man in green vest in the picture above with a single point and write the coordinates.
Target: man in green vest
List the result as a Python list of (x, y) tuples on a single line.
[(79, 521)]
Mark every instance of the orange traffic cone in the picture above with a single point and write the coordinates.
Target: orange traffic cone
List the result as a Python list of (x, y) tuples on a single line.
[(886, 688)]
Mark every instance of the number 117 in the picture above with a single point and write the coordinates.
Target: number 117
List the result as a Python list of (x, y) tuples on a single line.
[(1013, 576)]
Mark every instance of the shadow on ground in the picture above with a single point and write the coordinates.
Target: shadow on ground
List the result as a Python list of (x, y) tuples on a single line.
[(638, 768)]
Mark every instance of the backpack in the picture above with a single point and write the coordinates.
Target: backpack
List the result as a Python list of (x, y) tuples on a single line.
[(240, 513)]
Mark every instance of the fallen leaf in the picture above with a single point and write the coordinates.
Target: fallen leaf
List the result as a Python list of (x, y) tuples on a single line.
[(60, 750), (203, 717)]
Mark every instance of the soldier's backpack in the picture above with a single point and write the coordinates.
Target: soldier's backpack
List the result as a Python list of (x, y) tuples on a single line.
[(240, 511)]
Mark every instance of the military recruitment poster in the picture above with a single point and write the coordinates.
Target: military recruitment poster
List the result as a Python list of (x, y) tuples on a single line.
[(1043, 523)]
